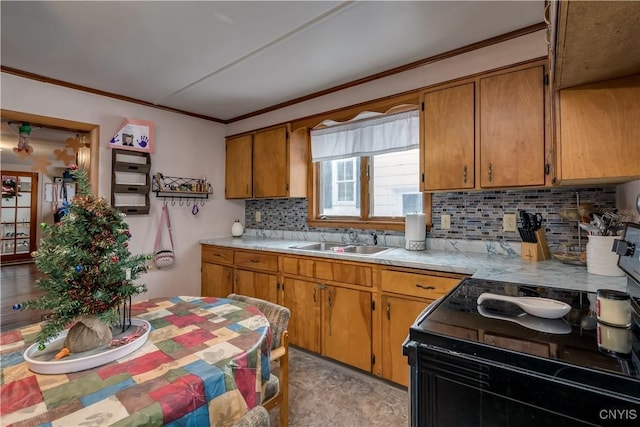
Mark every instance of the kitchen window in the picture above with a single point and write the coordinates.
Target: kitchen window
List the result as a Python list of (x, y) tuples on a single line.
[(367, 170)]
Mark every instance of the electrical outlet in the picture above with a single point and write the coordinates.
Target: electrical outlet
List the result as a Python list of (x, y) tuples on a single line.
[(445, 222), (509, 222), (258, 216)]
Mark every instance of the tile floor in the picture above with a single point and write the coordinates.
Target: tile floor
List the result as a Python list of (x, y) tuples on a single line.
[(325, 393)]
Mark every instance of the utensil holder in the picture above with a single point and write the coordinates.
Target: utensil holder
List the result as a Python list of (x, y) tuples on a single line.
[(601, 259), (538, 251)]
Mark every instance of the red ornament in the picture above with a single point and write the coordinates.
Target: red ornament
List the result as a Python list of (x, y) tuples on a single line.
[(114, 258), (74, 167)]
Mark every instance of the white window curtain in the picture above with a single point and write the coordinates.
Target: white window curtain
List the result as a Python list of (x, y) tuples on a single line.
[(397, 132)]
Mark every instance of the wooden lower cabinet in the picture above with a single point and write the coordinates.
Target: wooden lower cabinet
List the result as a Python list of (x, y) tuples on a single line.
[(303, 298), (217, 280), (398, 314), (327, 318), (257, 285), (331, 302), (347, 326), (405, 292)]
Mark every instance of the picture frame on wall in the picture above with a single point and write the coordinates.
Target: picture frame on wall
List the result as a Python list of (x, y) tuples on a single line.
[(134, 135)]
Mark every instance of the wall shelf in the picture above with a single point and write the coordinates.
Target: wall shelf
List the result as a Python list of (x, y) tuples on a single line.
[(130, 182), (177, 187)]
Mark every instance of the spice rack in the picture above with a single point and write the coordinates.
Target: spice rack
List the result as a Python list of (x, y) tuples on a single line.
[(173, 186)]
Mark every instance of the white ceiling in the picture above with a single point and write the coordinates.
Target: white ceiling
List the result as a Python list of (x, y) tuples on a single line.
[(225, 59)]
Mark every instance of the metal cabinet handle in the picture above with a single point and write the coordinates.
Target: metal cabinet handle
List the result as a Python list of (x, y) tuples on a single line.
[(490, 172), (418, 285), (314, 294), (255, 261), (464, 175), (388, 311)]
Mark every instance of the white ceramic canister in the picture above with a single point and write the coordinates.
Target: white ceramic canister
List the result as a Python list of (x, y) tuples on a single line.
[(601, 259), (237, 230), (616, 341), (613, 307)]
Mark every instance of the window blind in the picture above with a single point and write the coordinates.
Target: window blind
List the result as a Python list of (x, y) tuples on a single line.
[(397, 132)]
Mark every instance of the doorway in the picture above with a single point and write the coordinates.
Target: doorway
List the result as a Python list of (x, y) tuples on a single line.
[(18, 279), (18, 210)]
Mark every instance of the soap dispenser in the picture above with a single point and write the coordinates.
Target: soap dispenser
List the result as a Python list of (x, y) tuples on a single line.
[(237, 229)]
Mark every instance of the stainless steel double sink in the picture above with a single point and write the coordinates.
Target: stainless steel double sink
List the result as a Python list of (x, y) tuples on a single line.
[(355, 248)]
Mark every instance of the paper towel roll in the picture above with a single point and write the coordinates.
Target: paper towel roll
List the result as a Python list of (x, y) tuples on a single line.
[(415, 231)]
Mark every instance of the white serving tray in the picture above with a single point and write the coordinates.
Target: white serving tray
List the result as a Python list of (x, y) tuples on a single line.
[(44, 362)]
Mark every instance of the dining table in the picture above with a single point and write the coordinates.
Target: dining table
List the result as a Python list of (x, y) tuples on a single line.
[(205, 363)]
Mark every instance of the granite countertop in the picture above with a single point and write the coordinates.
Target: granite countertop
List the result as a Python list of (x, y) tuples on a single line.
[(508, 268)]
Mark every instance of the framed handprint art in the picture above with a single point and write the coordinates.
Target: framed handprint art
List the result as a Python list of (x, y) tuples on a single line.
[(135, 135)]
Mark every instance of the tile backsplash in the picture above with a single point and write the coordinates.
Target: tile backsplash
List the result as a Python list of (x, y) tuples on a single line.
[(474, 215)]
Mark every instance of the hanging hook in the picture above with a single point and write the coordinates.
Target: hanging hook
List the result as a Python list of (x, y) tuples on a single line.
[(201, 202), (173, 202), (188, 202), (181, 203)]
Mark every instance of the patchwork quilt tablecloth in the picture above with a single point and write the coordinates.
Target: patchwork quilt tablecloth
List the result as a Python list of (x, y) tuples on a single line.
[(205, 363)]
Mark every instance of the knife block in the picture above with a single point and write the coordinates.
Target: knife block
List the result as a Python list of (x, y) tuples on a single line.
[(536, 251)]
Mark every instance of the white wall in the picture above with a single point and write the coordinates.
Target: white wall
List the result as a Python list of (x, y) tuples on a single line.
[(184, 146), (498, 55)]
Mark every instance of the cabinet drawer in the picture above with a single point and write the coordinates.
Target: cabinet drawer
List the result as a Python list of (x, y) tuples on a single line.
[(347, 273), (416, 284), (256, 260), (217, 255), (297, 266)]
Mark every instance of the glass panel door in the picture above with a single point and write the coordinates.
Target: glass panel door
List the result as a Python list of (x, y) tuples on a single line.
[(18, 210)]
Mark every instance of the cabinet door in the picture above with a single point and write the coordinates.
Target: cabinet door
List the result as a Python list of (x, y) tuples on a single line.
[(347, 326), (257, 285), (19, 207), (512, 129), (303, 299), (271, 163), (397, 317), (217, 280), (238, 175), (449, 138), (600, 132)]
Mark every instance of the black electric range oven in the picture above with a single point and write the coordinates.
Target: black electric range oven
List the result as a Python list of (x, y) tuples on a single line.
[(495, 365)]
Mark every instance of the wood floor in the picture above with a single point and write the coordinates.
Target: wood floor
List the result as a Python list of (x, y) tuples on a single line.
[(17, 285)]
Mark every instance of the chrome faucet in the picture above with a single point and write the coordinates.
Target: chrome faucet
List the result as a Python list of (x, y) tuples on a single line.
[(375, 237), (353, 235)]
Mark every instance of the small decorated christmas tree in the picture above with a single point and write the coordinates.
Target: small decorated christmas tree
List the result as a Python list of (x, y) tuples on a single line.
[(88, 269)]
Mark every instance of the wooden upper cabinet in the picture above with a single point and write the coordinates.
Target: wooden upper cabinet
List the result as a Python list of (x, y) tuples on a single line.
[(598, 131), (267, 163), (448, 126), (512, 129), (238, 165), (270, 163)]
